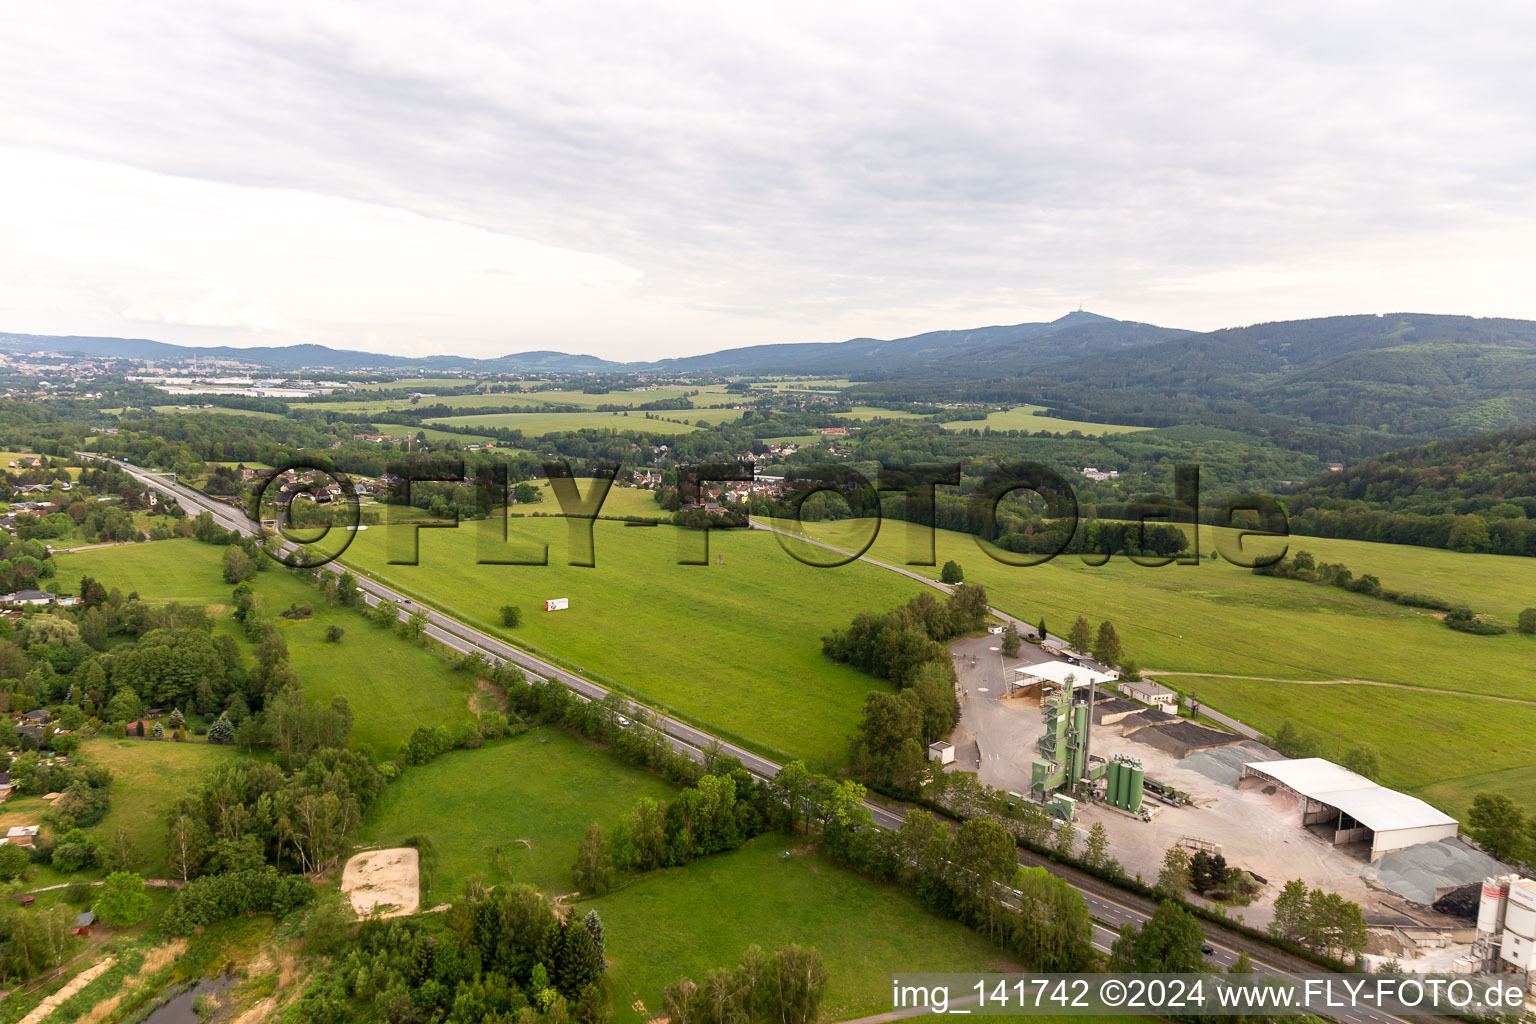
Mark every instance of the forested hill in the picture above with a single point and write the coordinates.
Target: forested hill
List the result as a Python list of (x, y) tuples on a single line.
[(1410, 376), (1469, 494)]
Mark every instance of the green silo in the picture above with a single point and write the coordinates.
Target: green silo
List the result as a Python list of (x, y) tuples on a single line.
[(1079, 749), (1112, 787), (1133, 797)]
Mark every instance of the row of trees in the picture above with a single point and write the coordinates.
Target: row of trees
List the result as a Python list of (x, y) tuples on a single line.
[(782, 987), (1320, 920)]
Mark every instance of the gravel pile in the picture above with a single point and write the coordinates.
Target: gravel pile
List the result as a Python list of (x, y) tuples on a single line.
[(1415, 873), (1225, 764), (1461, 902)]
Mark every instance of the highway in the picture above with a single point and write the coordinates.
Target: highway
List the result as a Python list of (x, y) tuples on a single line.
[(1108, 906)]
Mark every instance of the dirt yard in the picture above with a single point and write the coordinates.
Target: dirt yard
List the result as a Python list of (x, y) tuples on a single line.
[(383, 883)]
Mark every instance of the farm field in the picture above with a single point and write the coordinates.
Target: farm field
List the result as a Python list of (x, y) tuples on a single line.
[(706, 396), (524, 801), (666, 421), (378, 405), (1442, 748), (183, 570), (433, 434), (216, 411), (687, 921), (1219, 619), (1022, 417), (148, 776), (869, 412), (621, 501), (817, 385), (734, 645), (421, 383), (701, 395)]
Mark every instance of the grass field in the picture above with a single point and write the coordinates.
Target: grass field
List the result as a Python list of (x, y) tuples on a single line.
[(533, 424), (422, 383), (1220, 619), (404, 429), (392, 686), (869, 412), (686, 921), (181, 570), (1022, 417), (147, 778), (1426, 740), (621, 501), (217, 411), (735, 645), (545, 787), (708, 395)]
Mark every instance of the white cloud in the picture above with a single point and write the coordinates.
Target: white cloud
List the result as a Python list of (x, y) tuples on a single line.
[(675, 177)]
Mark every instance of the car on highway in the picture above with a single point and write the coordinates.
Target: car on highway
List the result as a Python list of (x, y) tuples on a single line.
[(1207, 949)]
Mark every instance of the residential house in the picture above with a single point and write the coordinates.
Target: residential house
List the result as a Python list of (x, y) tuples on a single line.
[(85, 922), (29, 597)]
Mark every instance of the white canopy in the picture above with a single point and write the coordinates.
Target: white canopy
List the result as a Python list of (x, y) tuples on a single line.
[(1058, 671), (1376, 807)]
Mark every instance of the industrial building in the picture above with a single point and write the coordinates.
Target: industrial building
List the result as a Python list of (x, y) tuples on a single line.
[(1506, 929), (1347, 808)]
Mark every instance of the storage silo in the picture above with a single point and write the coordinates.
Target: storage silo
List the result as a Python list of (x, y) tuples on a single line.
[(1133, 793), (1112, 786), (1490, 908)]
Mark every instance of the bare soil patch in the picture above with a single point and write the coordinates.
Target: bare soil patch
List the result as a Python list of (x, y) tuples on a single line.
[(386, 883)]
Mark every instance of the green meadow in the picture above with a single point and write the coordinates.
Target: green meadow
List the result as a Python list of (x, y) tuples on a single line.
[(519, 806), (216, 411), (870, 412), (433, 434), (1022, 417), (684, 922), (148, 776), (665, 421), (392, 685), (1217, 618), (734, 645)]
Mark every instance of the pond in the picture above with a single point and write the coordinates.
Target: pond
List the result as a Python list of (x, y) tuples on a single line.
[(181, 1009)]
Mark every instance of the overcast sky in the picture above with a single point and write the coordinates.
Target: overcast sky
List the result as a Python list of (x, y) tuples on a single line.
[(638, 180)]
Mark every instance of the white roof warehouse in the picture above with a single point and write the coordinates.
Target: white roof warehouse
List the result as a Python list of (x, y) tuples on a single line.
[(1355, 808)]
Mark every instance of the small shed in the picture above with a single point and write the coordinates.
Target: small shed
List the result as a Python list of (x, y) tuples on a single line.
[(84, 923), (942, 752)]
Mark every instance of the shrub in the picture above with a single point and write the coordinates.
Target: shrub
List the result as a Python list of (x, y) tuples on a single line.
[(1528, 621), (511, 615), (333, 634)]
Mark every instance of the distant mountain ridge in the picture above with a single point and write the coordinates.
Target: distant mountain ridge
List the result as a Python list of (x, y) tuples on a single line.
[(297, 357), (1078, 333)]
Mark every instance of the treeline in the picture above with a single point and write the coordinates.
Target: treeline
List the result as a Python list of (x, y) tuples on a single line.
[(497, 956), (906, 647), (1303, 566), (782, 987)]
